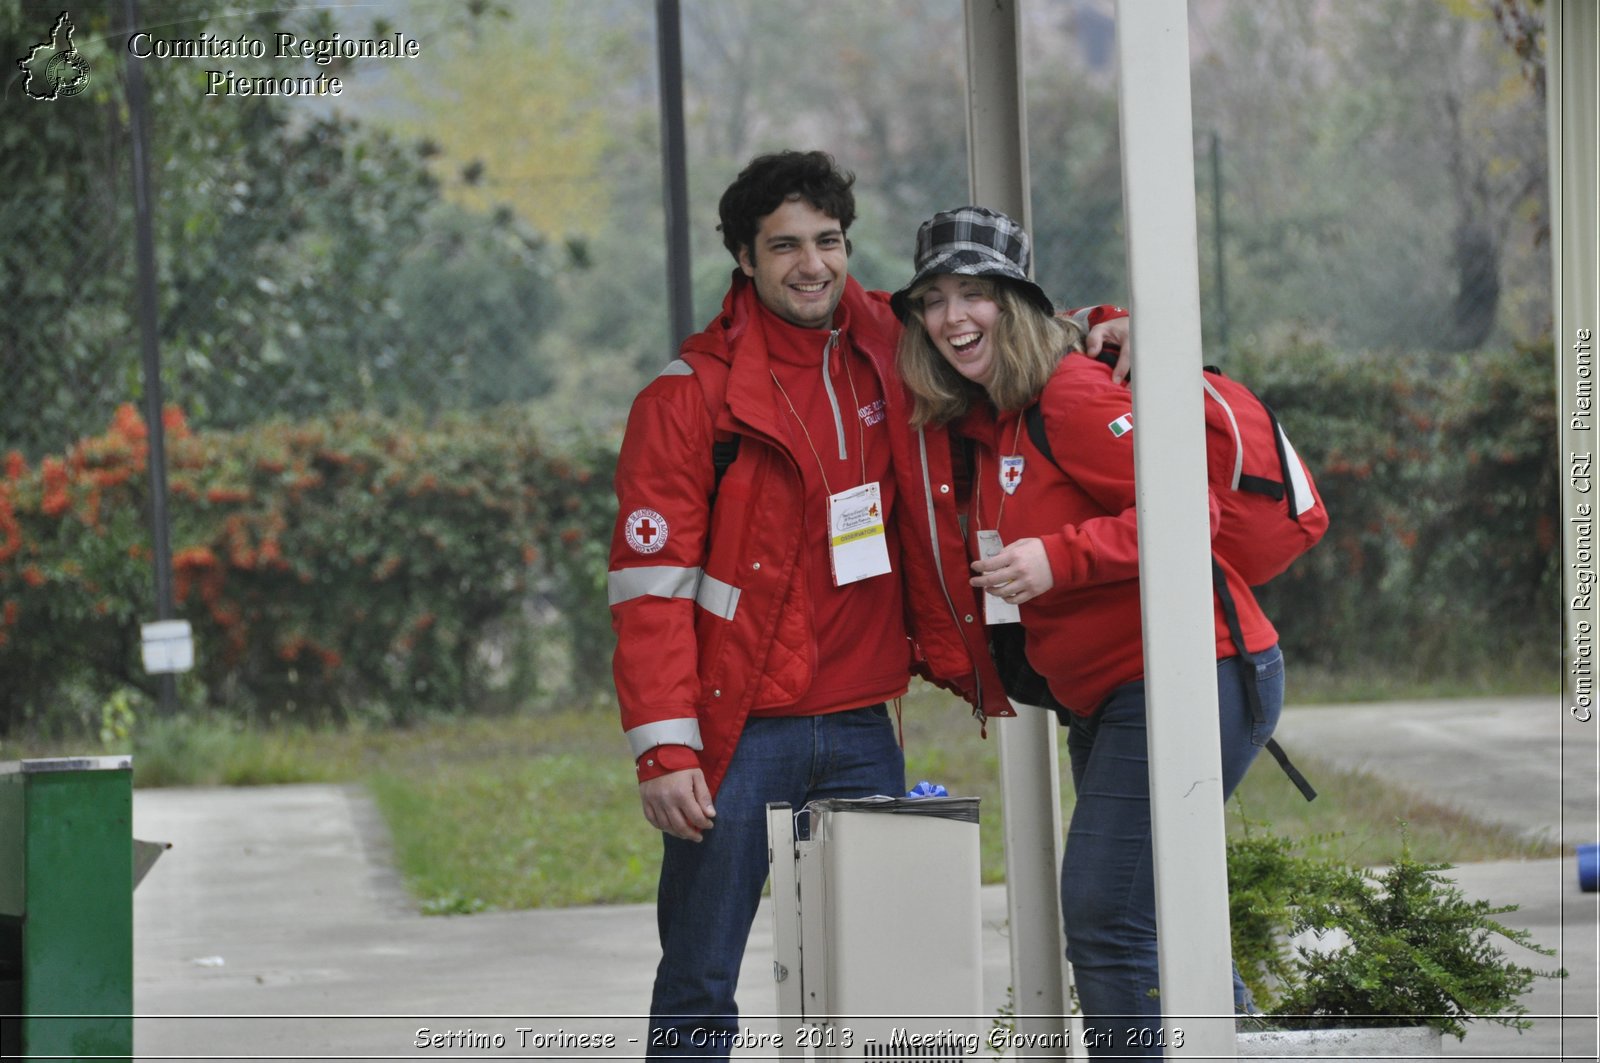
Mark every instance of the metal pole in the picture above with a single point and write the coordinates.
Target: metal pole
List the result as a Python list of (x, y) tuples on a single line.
[(1030, 780), (674, 170), (1216, 239), (145, 253), (1572, 72), (1186, 801)]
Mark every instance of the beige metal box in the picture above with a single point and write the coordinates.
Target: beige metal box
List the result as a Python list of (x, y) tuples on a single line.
[(877, 929)]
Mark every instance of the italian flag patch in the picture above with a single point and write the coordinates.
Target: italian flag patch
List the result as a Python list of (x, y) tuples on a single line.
[(1122, 425)]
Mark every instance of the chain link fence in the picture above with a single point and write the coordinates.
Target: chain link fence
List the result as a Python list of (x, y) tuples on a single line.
[(1370, 176), (309, 262)]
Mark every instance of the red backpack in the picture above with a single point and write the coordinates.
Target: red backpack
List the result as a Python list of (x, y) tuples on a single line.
[(1271, 511)]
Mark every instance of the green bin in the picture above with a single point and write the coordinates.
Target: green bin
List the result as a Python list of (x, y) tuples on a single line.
[(66, 908)]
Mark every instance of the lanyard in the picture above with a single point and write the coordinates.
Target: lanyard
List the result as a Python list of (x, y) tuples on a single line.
[(857, 543), (861, 433), (978, 489)]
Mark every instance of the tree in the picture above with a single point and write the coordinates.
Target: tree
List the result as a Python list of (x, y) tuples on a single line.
[(292, 243), (1381, 164), (62, 235), (514, 103)]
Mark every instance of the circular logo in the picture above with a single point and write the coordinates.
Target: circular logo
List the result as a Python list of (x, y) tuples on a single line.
[(646, 531), (67, 73)]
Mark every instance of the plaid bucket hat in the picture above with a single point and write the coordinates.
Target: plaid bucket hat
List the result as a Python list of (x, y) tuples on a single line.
[(972, 242)]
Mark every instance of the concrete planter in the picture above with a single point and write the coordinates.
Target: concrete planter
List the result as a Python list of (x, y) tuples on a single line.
[(1377, 1044)]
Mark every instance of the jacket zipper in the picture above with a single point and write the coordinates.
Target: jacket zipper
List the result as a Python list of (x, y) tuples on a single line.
[(938, 569), (827, 386)]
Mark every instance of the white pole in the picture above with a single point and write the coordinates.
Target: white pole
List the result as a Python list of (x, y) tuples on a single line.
[(1572, 86), (1174, 555), (1030, 781), (1570, 79)]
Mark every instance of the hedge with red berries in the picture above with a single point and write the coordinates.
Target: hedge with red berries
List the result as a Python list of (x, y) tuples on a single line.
[(351, 564)]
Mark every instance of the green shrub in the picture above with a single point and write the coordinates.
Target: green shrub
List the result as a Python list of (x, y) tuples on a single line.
[(1416, 951)]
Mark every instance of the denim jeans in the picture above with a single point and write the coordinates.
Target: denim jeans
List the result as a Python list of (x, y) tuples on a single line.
[(707, 897), (1107, 878)]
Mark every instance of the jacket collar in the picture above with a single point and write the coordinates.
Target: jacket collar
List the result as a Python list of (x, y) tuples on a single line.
[(737, 338)]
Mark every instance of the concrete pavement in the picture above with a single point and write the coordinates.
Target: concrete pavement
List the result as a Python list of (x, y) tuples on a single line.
[(1518, 761), (276, 929)]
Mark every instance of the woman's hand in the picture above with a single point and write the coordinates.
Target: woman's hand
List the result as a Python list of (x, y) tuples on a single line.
[(1019, 573), (1113, 333)]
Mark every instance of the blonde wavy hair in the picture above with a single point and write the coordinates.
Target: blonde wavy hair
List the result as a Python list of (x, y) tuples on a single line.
[(1028, 345)]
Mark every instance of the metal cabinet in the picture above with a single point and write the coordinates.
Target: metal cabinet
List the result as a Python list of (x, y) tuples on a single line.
[(66, 908)]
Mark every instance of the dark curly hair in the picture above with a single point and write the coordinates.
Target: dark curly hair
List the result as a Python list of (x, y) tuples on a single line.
[(764, 185)]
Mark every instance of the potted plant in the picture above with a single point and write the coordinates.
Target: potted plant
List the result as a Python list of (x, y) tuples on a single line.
[(1334, 950)]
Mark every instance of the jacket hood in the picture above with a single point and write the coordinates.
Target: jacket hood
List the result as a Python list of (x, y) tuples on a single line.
[(737, 340)]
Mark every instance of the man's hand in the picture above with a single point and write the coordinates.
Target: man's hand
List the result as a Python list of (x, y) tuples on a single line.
[(1019, 573), (1112, 333), (678, 803)]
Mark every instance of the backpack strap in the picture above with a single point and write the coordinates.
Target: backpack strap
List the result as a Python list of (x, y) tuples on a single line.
[(1252, 692), (723, 453), (1033, 420), (712, 376)]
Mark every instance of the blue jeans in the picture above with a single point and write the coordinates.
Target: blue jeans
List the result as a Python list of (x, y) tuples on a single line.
[(707, 897), (1107, 879)]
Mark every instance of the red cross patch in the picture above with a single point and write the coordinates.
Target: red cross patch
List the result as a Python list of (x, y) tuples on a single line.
[(645, 530), (1010, 472)]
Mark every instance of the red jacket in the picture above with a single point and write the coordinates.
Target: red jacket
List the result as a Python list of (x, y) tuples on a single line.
[(1084, 634), (711, 604)]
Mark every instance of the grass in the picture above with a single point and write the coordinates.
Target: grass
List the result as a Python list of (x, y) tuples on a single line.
[(542, 810), (519, 832), (1492, 670)]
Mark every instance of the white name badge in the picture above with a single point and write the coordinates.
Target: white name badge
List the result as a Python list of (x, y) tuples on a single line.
[(995, 610), (857, 547)]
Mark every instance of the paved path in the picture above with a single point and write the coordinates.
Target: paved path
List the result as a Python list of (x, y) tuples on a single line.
[(1518, 761), (274, 928)]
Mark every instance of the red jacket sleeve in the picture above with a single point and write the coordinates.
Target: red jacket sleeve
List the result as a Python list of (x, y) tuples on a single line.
[(658, 550), (1089, 422)]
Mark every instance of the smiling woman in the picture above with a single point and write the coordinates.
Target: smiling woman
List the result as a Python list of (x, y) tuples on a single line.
[(1054, 538), (959, 313), (972, 270)]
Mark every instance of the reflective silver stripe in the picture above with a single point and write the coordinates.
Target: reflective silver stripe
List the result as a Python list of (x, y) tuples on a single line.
[(683, 732), (677, 367), (1238, 439), (716, 597), (661, 581), (670, 581), (1303, 498)]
